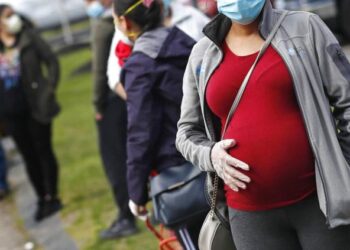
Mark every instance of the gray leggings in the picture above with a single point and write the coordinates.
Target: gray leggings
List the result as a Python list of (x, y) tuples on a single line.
[(299, 226)]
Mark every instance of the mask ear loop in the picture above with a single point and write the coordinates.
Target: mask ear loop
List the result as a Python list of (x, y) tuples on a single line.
[(132, 35), (132, 7), (146, 3)]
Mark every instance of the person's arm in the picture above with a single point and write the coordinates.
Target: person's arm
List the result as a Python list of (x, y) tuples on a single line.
[(191, 139), (120, 90), (334, 69), (114, 69), (48, 57), (144, 124), (102, 35)]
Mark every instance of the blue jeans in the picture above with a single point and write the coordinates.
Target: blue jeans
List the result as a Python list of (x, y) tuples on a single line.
[(3, 182)]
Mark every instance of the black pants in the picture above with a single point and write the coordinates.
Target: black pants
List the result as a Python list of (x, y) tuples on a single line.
[(301, 226), (3, 170), (112, 144), (33, 140)]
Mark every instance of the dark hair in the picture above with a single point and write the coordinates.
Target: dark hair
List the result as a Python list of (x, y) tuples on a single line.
[(146, 18), (27, 23), (3, 7)]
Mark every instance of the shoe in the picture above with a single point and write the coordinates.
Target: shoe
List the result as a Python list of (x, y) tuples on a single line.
[(3, 194), (47, 209), (119, 229)]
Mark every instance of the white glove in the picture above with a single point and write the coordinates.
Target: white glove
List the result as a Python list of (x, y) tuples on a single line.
[(139, 211), (226, 166)]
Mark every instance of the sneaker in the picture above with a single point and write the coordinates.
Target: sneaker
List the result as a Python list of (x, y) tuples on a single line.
[(47, 209), (119, 229)]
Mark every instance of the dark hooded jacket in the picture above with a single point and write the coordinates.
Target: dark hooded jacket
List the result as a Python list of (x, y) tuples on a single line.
[(38, 88), (153, 80)]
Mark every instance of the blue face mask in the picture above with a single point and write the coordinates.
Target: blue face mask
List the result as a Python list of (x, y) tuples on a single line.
[(95, 9), (241, 11)]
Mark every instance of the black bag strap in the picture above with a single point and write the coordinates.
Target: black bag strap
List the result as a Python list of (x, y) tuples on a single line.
[(240, 94)]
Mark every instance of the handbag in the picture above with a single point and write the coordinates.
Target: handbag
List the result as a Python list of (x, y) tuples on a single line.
[(215, 232), (178, 195)]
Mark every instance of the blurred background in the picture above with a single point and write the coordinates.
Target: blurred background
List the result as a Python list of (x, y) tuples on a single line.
[(334, 12), (64, 22)]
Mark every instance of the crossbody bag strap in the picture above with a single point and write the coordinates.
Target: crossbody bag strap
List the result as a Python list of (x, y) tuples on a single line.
[(240, 94), (250, 72)]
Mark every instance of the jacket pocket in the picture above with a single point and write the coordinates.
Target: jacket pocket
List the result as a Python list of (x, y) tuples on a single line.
[(43, 100)]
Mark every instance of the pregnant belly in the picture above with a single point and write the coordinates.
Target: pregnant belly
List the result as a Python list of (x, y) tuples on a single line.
[(281, 165)]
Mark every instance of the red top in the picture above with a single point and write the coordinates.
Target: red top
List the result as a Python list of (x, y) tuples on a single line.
[(122, 52), (269, 130)]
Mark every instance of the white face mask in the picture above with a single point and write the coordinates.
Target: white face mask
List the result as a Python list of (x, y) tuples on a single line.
[(14, 24)]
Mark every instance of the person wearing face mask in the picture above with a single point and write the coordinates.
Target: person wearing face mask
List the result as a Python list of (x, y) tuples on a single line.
[(284, 157), (28, 104), (4, 189), (110, 116), (186, 18), (152, 77)]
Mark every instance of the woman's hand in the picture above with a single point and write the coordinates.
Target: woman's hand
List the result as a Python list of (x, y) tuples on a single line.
[(226, 166), (140, 212), (120, 90), (98, 116)]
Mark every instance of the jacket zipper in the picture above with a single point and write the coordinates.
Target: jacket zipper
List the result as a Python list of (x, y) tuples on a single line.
[(292, 73), (212, 134)]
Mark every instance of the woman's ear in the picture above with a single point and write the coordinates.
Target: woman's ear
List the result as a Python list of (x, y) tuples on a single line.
[(128, 24), (122, 23)]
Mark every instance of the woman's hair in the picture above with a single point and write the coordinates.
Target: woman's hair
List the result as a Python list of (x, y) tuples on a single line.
[(145, 18), (3, 7), (27, 23)]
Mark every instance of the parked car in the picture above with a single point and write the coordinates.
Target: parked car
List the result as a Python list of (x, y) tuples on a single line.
[(326, 9), (48, 14)]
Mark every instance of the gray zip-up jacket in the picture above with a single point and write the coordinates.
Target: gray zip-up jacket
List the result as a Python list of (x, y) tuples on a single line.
[(321, 77)]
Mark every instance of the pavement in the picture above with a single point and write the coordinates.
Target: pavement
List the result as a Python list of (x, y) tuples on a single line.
[(49, 234), (11, 238)]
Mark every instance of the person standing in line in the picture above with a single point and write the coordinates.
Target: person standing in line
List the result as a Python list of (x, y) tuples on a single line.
[(284, 160), (4, 188), (152, 77), (28, 103), (110, 116), (3, 174), (187, 18)]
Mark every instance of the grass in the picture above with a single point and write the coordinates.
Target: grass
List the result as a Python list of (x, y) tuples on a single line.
[(88, 201)]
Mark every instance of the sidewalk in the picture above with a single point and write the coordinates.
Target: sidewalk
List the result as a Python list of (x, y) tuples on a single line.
[(50, 233), (10, 237)]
